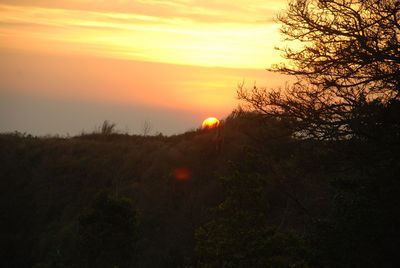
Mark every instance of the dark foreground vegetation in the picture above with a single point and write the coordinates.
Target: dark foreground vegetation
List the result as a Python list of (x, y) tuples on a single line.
[(308, 177), (255, 197)]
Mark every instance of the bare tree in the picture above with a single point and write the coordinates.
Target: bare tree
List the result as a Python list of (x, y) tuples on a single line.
[(146, 128), (347, 65)]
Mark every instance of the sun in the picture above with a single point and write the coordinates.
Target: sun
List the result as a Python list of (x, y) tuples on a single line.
[(210, 122)]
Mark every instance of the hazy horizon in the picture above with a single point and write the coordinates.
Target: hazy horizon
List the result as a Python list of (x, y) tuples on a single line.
[(69, 65)]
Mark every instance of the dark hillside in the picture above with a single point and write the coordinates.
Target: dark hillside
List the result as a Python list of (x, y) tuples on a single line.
[(245, 194), (47, 182)]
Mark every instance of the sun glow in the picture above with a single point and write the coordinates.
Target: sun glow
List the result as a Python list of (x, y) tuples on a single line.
[(210, 122), (185, 57)]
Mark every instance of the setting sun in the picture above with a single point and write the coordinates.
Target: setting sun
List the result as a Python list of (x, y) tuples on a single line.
[(210, 122), (169, 62)]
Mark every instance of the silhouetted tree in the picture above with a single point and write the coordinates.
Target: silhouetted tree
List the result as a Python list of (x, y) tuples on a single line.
[(146, 128), (241, 234), (107, 233), (346, 58)]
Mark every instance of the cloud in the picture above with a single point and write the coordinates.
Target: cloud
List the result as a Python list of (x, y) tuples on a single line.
[(205, 33), (204, 11)]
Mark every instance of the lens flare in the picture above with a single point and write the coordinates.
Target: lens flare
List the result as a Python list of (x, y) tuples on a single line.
[(210, 122), (182, 174)]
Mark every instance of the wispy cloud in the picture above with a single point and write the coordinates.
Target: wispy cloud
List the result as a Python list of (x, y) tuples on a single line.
[(239, 11), (208, 33)]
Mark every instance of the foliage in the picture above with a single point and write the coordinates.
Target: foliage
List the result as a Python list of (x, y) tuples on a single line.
[(107, 232), (360, 229), (241, 234), (345, 57), (107, 128), (282, 200), (47, 182), (249, 227), (248, 241)]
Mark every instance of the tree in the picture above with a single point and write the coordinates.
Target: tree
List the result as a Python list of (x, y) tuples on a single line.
[(107, 232), (346, 57), (146, 128), (261, 220), (241, 234)]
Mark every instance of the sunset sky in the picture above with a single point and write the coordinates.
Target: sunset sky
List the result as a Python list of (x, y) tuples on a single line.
[(68, 65)]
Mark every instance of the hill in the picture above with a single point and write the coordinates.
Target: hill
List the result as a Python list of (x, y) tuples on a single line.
[(46, 182), (251, 166)]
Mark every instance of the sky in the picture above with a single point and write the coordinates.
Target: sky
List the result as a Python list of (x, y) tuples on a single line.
[(68, 65)]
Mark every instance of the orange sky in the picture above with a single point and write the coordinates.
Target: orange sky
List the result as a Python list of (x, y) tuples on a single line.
[(182, 55)]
